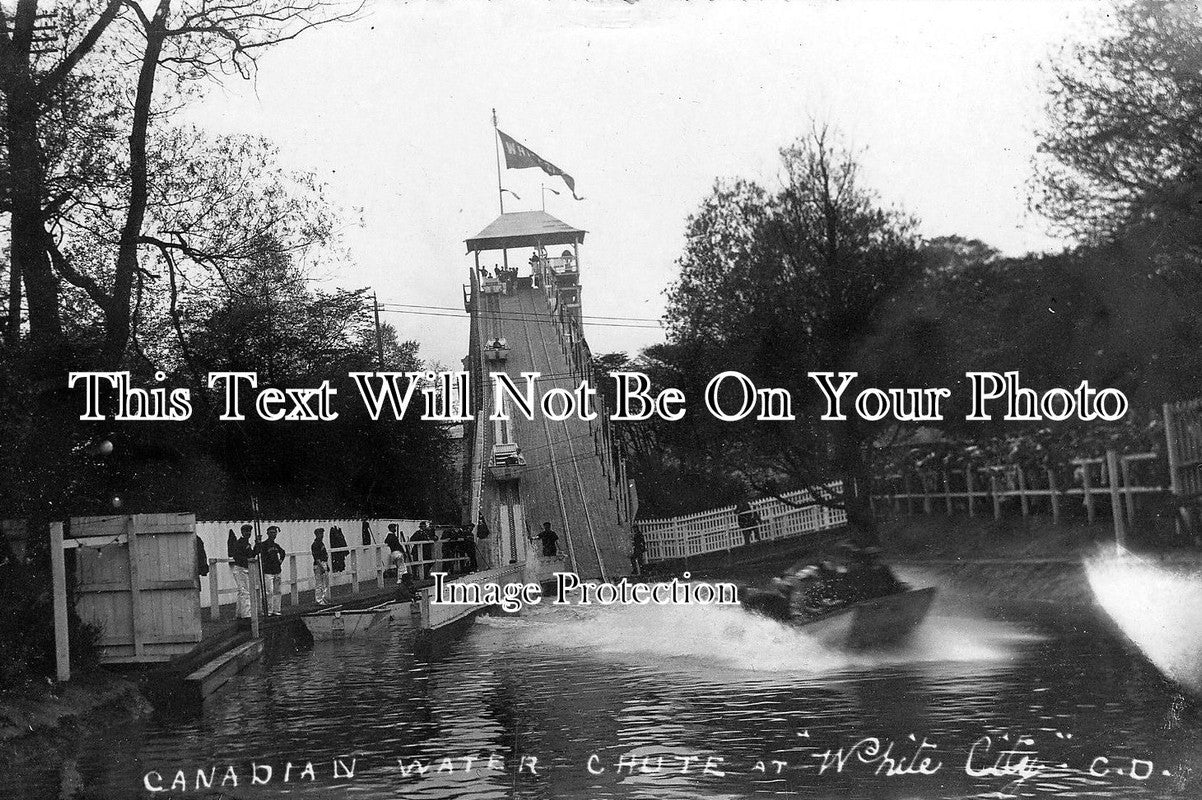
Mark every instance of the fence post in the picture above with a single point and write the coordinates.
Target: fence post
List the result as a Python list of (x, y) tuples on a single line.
[(997, 500), (1125, 467), (380, 565), (214, 591), (294, 598), (972, 498), (1090, 513), (909, 487), (1116, 505), (1055, 495), (1023, 500), (1170, 447), (58, 572), (354, 554), (926, 493), (947, 492)]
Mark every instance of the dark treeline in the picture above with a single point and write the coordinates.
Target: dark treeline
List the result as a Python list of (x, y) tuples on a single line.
[(138, 243), (819, 272)]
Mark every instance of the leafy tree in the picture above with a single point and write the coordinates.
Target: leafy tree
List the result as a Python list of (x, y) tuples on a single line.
[(779, 283), (1122, 147)]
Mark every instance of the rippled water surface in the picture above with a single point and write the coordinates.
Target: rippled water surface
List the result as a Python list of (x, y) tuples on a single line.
[(631, 702)]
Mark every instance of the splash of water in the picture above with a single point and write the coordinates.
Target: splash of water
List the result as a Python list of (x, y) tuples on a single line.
[(1157, 607), (734, 639)]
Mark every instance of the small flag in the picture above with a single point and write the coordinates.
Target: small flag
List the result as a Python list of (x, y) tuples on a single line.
[(519, 156)]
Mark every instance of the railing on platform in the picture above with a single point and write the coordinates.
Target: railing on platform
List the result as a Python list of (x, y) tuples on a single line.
[(719, 529), (561, 265)]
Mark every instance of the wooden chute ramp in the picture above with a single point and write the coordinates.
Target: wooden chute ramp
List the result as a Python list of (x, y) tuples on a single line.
[(525, 472)]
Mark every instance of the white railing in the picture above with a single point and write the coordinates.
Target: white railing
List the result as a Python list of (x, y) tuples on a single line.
[(561, 265), (718, 530)]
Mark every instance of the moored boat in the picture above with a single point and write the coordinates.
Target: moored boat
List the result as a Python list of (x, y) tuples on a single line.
[(340, 622)]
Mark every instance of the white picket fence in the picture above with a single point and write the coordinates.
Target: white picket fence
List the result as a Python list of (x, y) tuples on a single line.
[(718, 530)]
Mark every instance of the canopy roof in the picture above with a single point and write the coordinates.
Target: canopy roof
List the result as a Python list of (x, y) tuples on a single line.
[(524, 229)]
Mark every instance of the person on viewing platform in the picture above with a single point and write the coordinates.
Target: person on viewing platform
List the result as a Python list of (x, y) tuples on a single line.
[(396, 550), (241, 552), (549, 539), (321, 568), (271, 559)]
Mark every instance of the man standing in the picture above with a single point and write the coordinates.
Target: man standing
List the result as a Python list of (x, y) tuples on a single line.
[(468, 544), (241, 552), (638, 549), (548, 538), (396, 550), (271, 560), (482, 532), (321, 568), (749, 521)]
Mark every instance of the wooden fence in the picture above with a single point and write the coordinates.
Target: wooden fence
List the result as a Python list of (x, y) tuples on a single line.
[(718, 530), (1112, 484)]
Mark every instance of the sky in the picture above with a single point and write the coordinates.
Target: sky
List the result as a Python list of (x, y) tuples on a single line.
[(646, 105)]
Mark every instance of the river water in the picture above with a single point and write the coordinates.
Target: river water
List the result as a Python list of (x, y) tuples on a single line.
[(667, 702)]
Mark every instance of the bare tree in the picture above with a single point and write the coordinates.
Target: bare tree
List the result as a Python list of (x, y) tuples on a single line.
[(192, 40)]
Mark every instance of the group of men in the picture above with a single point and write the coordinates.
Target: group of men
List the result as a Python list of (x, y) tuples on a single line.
[(458, 543), (271, 560)]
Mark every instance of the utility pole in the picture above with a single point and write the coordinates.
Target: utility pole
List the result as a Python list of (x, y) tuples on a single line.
[(379, 335)]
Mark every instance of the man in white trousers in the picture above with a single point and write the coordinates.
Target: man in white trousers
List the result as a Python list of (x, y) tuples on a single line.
[(241, 552)]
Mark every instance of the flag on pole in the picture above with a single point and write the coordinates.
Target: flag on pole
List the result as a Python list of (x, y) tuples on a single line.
[(519, 156)]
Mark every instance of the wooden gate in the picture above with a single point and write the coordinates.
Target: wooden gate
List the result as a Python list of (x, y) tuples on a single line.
[(136, 579)]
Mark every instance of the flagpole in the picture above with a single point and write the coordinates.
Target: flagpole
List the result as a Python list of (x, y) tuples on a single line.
[(497, 151)]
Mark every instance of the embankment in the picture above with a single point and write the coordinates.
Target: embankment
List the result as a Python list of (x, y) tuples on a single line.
[(36, 713)]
